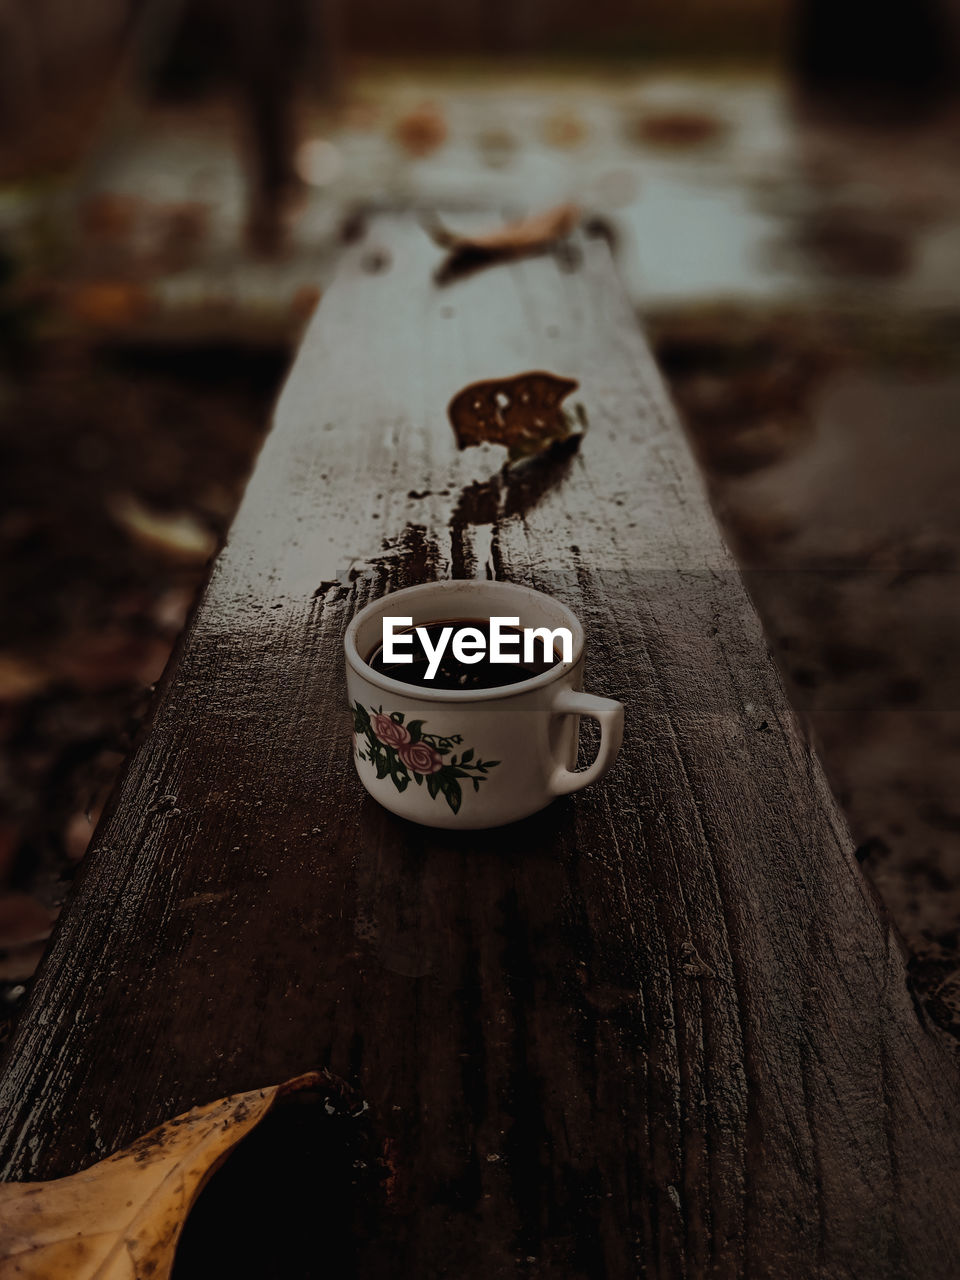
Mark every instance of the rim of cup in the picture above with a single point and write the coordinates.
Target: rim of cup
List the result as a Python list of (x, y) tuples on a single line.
[(423, 692)]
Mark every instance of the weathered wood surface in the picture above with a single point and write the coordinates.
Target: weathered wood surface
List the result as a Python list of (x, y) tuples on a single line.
[(663, 1027)]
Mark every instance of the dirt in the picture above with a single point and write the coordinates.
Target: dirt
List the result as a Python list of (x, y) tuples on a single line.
[(89, 607)]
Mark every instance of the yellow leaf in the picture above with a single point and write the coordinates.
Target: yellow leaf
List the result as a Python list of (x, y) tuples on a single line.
[(179, 536), (522, 235), (20, 678), (121, 1219)]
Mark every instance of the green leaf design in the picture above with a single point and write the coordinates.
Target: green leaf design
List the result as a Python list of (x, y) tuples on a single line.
[(453, 793), (388, 763), (361, 720)]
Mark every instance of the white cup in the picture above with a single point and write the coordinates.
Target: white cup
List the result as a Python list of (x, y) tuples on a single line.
[(481, 757)]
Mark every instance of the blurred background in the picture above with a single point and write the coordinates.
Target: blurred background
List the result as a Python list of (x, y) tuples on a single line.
[(779, 183)]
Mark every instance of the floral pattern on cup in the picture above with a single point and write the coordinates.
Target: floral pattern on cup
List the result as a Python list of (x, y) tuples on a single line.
[(404, 751)]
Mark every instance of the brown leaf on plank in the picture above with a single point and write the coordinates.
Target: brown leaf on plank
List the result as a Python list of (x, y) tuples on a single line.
[(516, 239), (421, 130), (524, 412), (121, 1219), (519, 236)]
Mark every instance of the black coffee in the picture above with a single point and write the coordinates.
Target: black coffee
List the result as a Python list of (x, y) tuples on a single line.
[(451, 673)]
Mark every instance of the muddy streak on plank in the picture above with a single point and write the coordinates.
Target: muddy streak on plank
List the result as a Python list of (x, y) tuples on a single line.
[(549, 1075)]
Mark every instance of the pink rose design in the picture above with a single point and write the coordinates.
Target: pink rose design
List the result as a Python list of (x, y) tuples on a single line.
[(420, 757), (388, 731)]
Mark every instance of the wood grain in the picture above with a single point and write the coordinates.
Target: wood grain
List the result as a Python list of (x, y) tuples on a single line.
[(662, 1028)]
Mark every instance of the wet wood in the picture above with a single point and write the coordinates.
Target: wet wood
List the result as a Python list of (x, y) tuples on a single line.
[(662, 1028)]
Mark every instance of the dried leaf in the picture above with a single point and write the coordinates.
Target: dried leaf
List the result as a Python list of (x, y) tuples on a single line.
[(179, 536), (522, 235), (108, 304), (121, 1219), (524, 412), (421, 130), (20, 678), (533, 234), (679, 128)]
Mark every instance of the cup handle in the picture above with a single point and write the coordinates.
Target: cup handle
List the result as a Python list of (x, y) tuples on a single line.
[(570, 702)]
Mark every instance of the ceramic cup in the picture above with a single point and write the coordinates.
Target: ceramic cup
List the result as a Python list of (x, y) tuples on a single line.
[(484, 757)]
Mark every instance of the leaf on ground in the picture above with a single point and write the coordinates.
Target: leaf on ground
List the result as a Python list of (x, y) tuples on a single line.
[(421, 130), (177, 536), (531, 234), (20, 678), (677, 128), (121, 1219), (524, 412), (108, 304)]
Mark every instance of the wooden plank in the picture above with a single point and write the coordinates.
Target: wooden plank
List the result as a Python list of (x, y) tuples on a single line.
[(661, 1028)]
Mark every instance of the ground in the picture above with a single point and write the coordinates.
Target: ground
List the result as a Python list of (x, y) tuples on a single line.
[(797, 279)]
